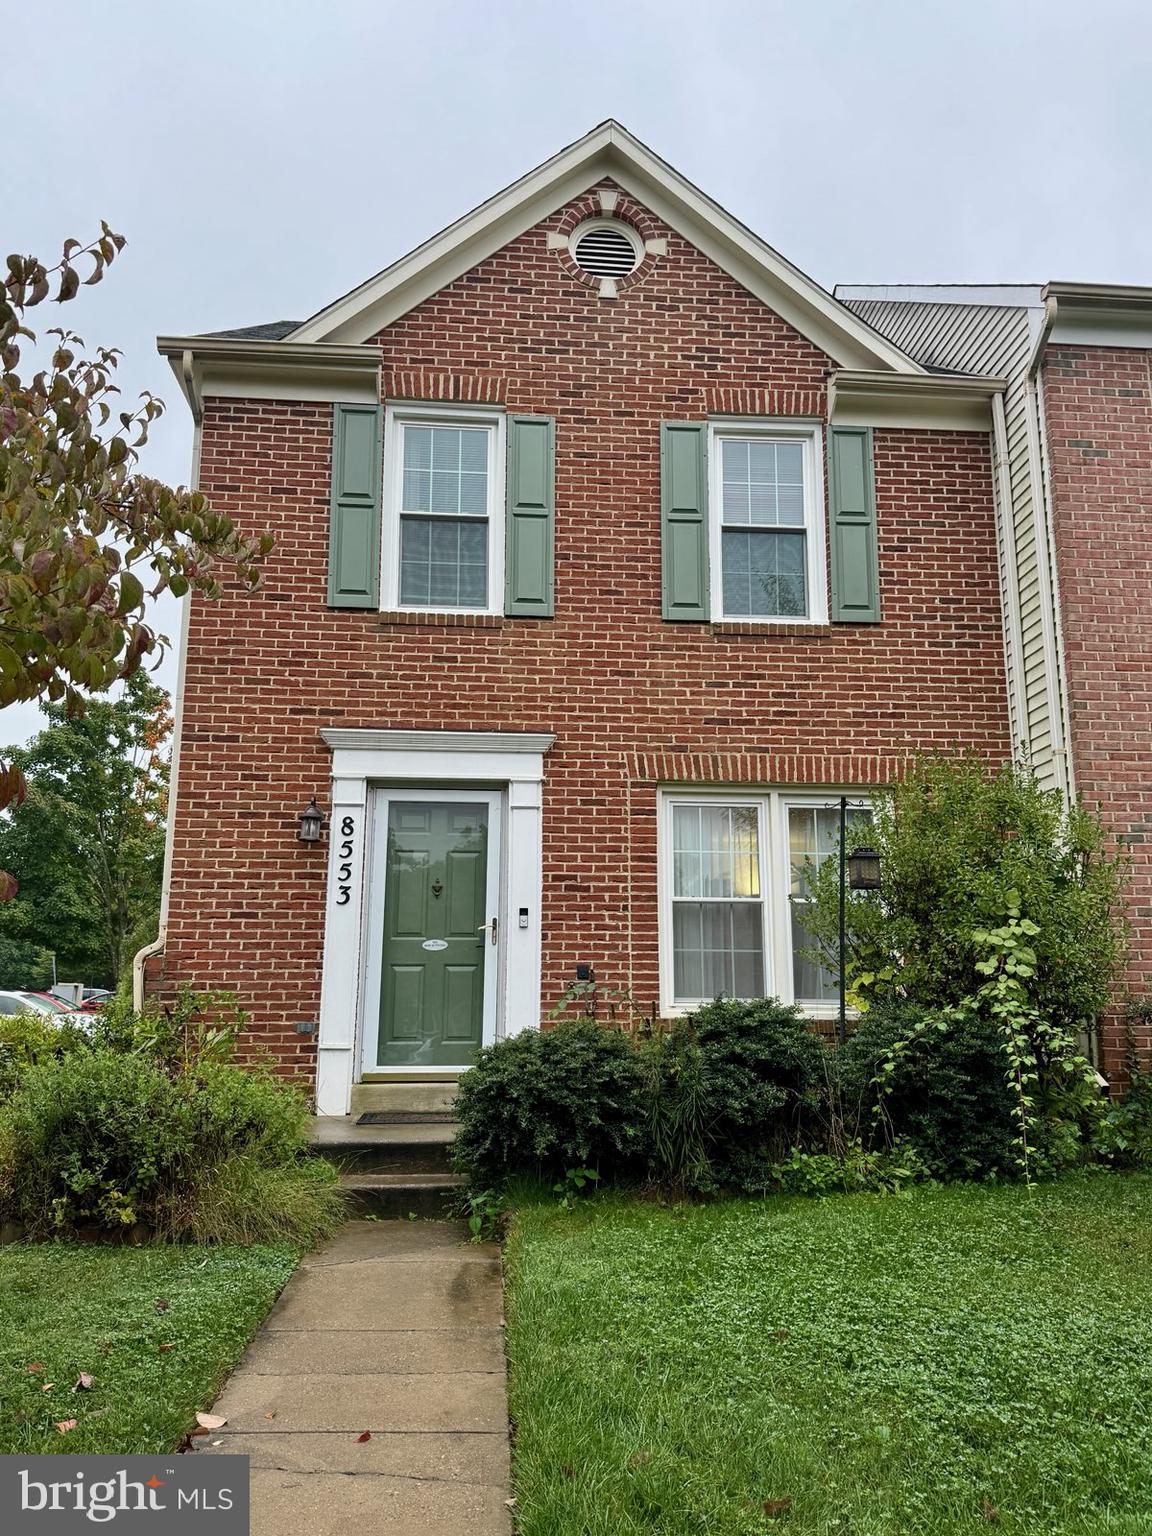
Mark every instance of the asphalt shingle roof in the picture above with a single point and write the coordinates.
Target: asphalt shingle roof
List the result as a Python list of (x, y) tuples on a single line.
[(275, 330)]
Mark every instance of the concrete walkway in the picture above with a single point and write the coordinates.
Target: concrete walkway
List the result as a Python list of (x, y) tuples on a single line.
[(394, 1328)]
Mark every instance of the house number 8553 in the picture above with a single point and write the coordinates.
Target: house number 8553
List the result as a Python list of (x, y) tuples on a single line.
[(344, 878)]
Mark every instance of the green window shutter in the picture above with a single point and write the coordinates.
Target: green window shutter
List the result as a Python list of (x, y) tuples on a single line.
[(354, 539), (852, 527), (684, 519), (528, 561)]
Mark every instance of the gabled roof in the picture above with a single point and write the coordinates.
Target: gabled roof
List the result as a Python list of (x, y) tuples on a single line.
[(608, 151)]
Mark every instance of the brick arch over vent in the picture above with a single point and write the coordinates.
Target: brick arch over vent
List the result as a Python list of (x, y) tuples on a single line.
[(628, 211)]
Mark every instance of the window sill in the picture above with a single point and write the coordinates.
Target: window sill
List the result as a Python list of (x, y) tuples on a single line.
[(433, 620), (800, 631), (814, 1013)]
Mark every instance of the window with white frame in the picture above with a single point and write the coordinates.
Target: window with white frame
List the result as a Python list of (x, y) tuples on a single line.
[(767, 522), (443, 529), (736, 875)]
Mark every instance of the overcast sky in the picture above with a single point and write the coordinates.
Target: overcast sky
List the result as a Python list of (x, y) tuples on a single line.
[(262, 158)]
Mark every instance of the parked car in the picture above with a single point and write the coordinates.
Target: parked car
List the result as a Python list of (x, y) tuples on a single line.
[(55, 1004), (89, 1000), (36, 1002)]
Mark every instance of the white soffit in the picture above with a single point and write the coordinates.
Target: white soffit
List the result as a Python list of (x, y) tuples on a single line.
[(1098, 315), (935, 402), (608, 151)]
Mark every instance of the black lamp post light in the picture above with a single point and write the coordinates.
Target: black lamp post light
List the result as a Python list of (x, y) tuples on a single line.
[(859, 871), (311, 820)]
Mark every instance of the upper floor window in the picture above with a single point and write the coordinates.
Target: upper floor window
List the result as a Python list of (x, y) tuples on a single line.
[(767, 523), (444, 498)]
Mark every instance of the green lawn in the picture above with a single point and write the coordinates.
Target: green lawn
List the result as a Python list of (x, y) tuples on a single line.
[(954, 1362), (112, 1312)]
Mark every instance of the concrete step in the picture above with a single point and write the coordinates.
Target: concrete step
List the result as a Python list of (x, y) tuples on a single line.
[(383, 1148), (431, 1096), (394, 1195)]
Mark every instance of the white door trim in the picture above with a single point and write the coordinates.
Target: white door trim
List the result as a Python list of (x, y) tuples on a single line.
[(430, 761), (380, 800)]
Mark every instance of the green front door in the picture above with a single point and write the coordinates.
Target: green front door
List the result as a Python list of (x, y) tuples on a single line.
[(436, 936)]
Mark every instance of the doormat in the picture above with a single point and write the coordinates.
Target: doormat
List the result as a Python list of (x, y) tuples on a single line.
[(408, 1117)]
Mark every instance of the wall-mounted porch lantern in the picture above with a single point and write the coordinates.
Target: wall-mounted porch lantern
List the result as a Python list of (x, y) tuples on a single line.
[(311, 820)]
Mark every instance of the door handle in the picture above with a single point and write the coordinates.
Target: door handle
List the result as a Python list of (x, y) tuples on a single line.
[(494, 925)]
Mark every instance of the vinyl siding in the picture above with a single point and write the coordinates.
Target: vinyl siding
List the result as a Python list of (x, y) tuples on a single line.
[(997, 339)]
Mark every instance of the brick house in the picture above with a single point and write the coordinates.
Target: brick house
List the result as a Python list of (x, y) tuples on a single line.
[(611, 551)]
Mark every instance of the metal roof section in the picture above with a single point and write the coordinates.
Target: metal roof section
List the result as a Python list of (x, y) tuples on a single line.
[(1019, 295)]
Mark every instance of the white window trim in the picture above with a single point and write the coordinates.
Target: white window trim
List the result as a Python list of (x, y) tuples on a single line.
[(810, 435), (773, 806), (396, 416)]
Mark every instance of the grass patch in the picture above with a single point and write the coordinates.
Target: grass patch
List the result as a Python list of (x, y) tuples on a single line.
[(960, 1361), (112, 1312)]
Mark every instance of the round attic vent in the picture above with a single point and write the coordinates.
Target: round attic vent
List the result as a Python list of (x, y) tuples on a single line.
[(606, 248)]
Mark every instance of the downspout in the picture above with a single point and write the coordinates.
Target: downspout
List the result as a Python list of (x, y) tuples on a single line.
[(142, 956)]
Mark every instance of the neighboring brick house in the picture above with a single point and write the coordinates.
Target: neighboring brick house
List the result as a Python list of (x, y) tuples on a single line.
[(610, 551), (1073, 444)]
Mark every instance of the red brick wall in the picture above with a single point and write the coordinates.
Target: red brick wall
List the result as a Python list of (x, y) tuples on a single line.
[(632, 699), (1098, 416)]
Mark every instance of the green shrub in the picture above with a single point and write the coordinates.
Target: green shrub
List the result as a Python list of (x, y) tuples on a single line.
[(957, 840), (947, 1097), (25, 1039), (196, 1027), (857, 1169), (101, 1139), (248, 1200), (730, 1088), (544, 1101), (1123, 1134)]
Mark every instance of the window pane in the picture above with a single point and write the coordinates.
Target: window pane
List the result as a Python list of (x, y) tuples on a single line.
[(763, 482), (717, 950), (445, 493), (813, 837), (446, 449), (446, 470), (715, 851), (811, 983), (417, 447), (443, 562), (474, 451), (763, 575), (444, 559)]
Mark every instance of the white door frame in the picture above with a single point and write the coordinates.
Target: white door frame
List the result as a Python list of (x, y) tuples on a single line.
[(429, 761), (380, 799)]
